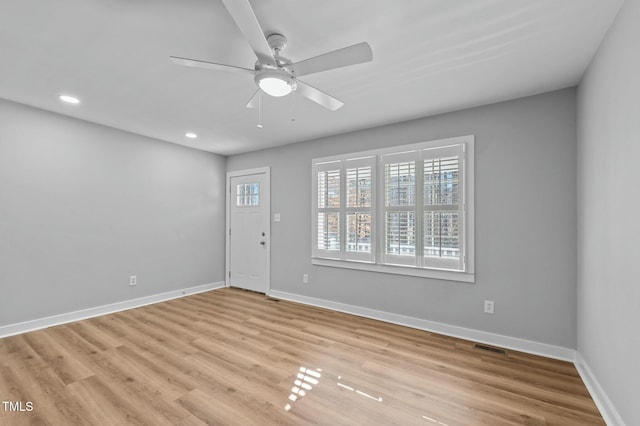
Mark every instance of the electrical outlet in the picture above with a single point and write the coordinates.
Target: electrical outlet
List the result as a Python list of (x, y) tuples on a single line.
[(305, 279), (488, 306), (133, 280)]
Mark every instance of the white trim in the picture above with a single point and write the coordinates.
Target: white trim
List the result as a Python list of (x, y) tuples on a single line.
[(469, 206), (37, 324), (412, 271), (599, 396), (267, 172), (522, 345)]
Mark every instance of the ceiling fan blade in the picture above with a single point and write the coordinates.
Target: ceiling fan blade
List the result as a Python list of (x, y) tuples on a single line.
[(318, 96), (245, 19), (255, 99), (356, 54), (208, 65)]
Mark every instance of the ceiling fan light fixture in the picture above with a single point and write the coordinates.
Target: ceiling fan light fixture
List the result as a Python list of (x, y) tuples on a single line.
[(275, 83)]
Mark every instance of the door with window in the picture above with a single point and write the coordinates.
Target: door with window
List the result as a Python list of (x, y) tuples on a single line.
[(249, 230)]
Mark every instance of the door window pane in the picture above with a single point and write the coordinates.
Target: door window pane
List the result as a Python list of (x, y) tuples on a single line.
[(248, 194)]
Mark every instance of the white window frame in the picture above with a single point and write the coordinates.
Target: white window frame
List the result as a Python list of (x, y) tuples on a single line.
[(352, 163), (325, 166), (435, 153), (383, 160), (377, 260), (342, 164)]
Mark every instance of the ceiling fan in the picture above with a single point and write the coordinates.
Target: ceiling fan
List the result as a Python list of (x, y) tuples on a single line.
[(276, 75)]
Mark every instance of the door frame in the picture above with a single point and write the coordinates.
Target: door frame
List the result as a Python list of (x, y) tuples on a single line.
[(260, 170)]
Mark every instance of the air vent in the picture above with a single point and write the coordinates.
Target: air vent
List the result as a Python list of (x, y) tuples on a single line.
[(490, 349)]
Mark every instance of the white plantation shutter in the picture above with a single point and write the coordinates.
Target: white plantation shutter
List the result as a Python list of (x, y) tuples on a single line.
[(443, 212), (399, 210), (359, 202), (328, 188), (344, 200), (408, 207), (423, 208)]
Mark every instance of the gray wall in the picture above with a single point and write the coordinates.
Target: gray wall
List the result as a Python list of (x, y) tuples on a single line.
[(83, 207), (525, 221), (608, 212)]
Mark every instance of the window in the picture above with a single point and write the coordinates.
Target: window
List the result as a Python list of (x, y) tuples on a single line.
[(358, 209), (399, 209), (443, 246), (248, 194), (405, 210), (343, 211), (328, 210)]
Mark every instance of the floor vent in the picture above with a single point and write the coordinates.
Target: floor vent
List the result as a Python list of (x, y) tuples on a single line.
[(489, 348)]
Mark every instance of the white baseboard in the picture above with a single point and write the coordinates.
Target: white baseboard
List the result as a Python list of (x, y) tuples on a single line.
[(522, 345), (607, 410), (37, 324)]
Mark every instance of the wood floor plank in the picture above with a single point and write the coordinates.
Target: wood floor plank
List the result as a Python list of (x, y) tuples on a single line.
[(233, 357), (48, 394), (58, 357), (92, 334)]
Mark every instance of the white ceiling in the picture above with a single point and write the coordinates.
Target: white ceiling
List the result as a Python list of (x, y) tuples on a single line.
[(430, 56)]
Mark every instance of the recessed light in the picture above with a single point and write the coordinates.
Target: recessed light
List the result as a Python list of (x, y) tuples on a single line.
[(191, 135), (69, 99)]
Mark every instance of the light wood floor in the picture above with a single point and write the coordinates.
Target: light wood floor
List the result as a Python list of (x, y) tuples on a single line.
[(232, 357)]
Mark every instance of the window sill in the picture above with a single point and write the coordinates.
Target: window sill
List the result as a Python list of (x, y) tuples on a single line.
[(412, 271)]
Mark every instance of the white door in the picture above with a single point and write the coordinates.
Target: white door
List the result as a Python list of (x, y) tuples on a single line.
[(249, 230)]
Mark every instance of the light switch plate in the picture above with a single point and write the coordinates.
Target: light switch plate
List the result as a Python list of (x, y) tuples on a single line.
[(489, 306)]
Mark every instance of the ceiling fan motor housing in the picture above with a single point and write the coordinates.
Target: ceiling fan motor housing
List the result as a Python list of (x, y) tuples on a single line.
[(277, 43)]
